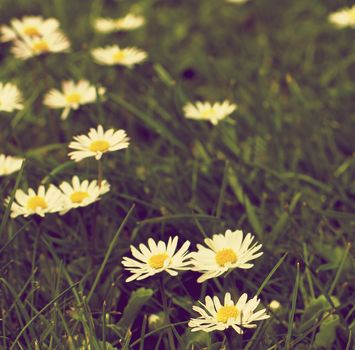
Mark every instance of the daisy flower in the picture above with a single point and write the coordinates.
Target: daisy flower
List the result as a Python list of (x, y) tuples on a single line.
[(98, 142), (41, 202), (109, 25), (10, 97), (114, 55), (30, 47), (72, 96), (343, 18), (28, 26), (224, 252), (156, 258), (237, 1), (215, 316), (9, 165), (207, 111), (80, 194)]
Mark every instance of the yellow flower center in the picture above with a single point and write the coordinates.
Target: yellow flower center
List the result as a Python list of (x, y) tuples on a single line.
[(99, 146), (226, 312), (208, 113), (118, 56), (35, 202), (78, 197), (31, 31), (40, 46), (157, 261), (225, 256), (73, 98)]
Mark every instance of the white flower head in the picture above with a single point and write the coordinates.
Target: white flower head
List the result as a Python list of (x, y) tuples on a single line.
[(9, 165), (72, 96), (109, 25), (10, 97), (343, 18), (207, 111), (114, 55), (156, 258), (41, 202), (97, 142), (28, 47), (215, 316), (28, 27), (81, 194), (224, 252)]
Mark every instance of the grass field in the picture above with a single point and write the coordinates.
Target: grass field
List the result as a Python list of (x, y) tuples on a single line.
[(281, 167)]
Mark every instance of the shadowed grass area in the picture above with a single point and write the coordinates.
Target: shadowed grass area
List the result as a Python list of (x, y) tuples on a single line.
[(281, 167)]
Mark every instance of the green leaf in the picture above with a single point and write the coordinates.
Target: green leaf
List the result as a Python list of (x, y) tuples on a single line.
[(327, 332)]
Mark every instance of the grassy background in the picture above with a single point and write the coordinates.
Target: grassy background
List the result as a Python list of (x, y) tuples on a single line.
[(282, 168)]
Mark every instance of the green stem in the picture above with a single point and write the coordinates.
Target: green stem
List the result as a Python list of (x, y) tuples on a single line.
[(166, 313), (99, 172)]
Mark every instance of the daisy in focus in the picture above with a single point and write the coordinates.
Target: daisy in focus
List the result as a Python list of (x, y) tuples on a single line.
[(72, 96), (110, 25), (156, 258), (224, 252), (207, 111), (28, 27), (41, 202), (81, 194), (10, 97), (114, 55), (9, 165), (343, 18), (215, 316), (97, 142), (26, 47)]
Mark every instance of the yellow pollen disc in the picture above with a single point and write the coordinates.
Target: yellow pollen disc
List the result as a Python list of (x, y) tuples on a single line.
[(99, 146), (40, 46), (73, 98), (31, 31), (157, 261), (226, 312), (118, 56), (35, 202), (78, 197), (225, 256), (208, 113)]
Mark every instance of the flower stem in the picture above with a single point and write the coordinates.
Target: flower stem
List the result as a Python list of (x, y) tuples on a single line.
[(166, 313), (100, 172)]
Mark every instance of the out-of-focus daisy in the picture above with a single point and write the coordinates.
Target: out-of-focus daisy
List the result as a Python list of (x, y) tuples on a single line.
[(9, 165), (237, 1), (275, 305), (114, 55), (207, 111), (217, 316), (30, 47), (10, 97), (109, 25), (72, 96), (98, 142), (28, 27), (41, 202), (343, 18), (80, 194), (224, 252), (156, 258)]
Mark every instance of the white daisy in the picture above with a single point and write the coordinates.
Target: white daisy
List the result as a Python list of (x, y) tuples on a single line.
[(80, 194), (9, 165), (343, 18), (114, 55), (156, 258), (215, 316), (109, 25), (224, 252), (10, 97), (72, 96), (98, 142), (237, 1), (40, 202), (207, 111), (28, 26), (30, 47)]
